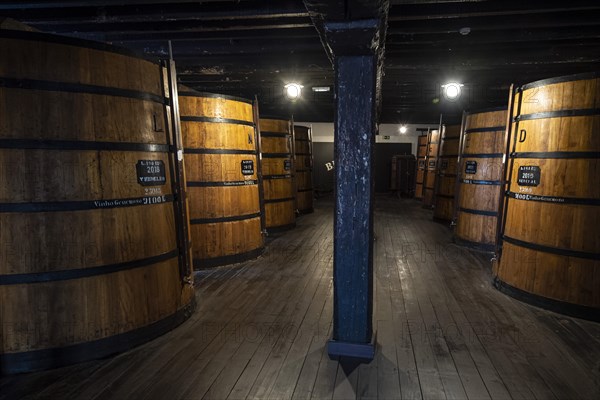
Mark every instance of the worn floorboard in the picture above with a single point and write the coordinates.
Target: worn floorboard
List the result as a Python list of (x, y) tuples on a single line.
[(261, 328)]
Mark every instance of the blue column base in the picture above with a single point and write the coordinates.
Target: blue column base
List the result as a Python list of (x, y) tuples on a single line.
[(364, 352)]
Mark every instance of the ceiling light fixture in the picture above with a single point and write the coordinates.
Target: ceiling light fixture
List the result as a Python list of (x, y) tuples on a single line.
[(403, 129), (321, 88), (452, 90), (293, 91)]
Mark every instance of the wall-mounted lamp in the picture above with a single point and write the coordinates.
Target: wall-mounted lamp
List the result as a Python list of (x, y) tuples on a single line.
[(452, 90), (403, 129), (293, 91)]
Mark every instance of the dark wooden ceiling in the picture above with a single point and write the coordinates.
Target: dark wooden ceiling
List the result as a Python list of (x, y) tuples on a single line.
[(249, 48)]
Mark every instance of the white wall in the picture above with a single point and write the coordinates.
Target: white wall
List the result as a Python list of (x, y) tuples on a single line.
[(323, 132)]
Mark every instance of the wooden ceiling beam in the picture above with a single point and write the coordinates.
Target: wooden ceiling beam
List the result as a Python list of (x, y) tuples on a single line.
[(117, 27), (498, 37), (306, 32), (517, 22), (165, 11), (17, 5), (427, 11)]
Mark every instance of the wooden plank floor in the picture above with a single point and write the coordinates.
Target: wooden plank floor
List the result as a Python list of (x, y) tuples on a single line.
[(260, 330)]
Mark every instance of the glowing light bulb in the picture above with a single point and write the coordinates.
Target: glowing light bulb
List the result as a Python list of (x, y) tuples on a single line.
[(452, 90), (293, 91)]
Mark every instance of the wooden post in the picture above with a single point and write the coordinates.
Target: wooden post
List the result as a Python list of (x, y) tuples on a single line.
[(261, 190), (355, 130), (179, 188), (356, 47), (459, 167)]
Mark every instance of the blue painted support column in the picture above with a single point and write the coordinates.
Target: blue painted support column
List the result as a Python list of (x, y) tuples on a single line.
[(355, 130)]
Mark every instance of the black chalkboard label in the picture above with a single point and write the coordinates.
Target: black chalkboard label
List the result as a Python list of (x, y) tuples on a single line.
[(287, 165), (432, 164), (422, 164), (247, 167), (529, 175), (151, 172), (444, 164), (471, 167)]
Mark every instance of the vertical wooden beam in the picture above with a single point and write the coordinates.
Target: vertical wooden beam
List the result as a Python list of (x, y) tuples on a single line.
[(353, 35), (259, 160), (355, 130), (180, 203)]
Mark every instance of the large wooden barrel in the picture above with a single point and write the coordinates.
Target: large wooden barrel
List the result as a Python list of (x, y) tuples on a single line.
[(304, 168), (433, 145), (421, 166), (446, 173), (90, 262), (403, 175), (221, 160), (550, 253), (481, 175), (277, 168)]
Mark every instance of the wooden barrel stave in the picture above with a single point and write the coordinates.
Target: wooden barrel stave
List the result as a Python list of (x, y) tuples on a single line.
[(276, 145), (476, 230), (433, 142), (558, 279), (477, 216), (275, 125), (557, 172), (480, 198), (216, 106), (89, 63), (278, 189), (444, 199), (420, 178), (215, 135), (302, 142), (216, 202), (479, 193), (550, 246), (579, 241), (93, 111), (84, 244), (54, 328), (303, 203), (277, 171), (428, 187), (219, 138), (304, 168), (583, 128), (446, 184), (231, 239), (421, 166), (446, 174), (304, 180), (77, 119)]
